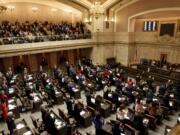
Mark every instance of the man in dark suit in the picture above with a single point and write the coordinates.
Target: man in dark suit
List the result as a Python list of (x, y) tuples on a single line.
[(10, 123)]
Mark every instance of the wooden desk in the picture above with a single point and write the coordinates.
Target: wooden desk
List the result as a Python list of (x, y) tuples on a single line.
[(107, 129), (175, 130), (105, 109), (60, 125), (59, 97), (11, 92), (36, 101), (22, 129), (87, 118), (12, 106), (76, 93)]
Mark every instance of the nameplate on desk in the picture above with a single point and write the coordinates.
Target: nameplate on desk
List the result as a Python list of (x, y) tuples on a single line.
[(28, 133), (82, 113), (20, 126)]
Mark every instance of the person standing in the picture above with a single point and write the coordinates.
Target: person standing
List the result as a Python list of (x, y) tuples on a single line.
[(4, 108), (98, 122), (10, 123)]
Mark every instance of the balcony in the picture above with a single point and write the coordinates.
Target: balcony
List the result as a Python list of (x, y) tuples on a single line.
[(25, 45)]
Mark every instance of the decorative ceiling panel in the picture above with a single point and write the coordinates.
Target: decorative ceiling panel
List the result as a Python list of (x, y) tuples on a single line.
[(102, 1)]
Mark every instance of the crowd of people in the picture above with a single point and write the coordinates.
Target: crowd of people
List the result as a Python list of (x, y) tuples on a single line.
[(138, 91), (27, 32)]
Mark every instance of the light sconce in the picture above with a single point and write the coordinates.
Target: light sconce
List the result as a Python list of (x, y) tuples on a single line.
[(34, 9), (53, 9), (11, 8), (88, 21), (110, 20)]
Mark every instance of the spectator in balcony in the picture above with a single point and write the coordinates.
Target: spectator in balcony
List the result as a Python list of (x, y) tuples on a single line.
[(25, 32)]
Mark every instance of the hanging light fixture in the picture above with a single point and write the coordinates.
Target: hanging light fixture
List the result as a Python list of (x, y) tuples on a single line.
[(97, 9), (2, 7)]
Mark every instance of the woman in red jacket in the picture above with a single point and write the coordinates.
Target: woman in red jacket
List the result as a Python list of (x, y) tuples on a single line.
[(4, 109)]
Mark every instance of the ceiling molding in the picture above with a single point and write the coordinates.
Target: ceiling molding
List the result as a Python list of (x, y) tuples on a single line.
[(75, 6)]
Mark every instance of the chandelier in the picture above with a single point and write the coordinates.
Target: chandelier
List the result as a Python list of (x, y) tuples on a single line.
[(2, 7), (97, 9)]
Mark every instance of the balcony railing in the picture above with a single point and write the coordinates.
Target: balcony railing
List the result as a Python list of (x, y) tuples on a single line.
[(35, 39)]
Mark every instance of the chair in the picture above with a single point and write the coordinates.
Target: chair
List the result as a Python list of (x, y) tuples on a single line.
[(92, 110), (37, 124), (130, 130), (152, 121), (69, 119), (167, 130)]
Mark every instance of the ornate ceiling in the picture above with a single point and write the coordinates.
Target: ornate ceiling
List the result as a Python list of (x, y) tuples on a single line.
[(102, 1)]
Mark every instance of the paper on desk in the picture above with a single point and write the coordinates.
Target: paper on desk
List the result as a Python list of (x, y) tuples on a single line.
[(19, 126), (36, 98), (82, 112), (28, 133), (10, 101), (11, 90), (109, 95), (74, 89), (11, 107), (92, 100)]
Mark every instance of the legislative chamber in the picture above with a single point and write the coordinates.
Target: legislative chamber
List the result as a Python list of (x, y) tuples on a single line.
[(89, 67)]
